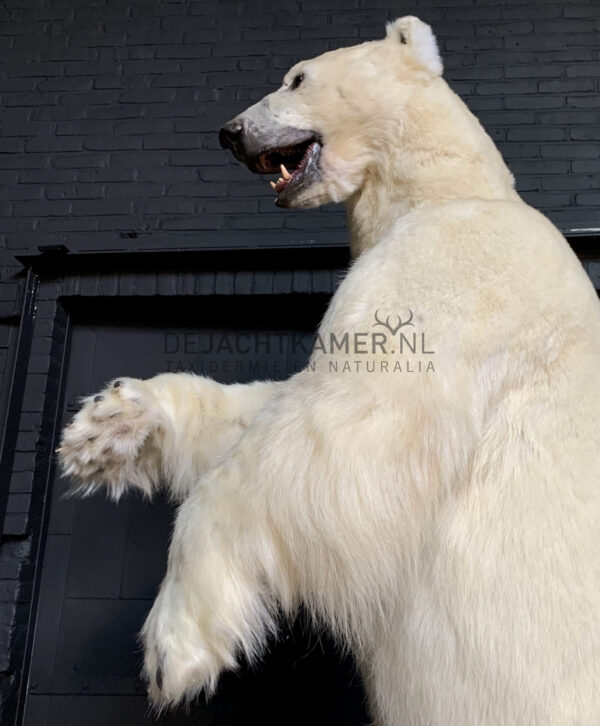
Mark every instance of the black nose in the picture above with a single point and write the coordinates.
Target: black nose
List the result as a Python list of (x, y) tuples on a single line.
[(230, 134)]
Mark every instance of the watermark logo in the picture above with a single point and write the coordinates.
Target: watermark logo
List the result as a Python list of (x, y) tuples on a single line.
[(393, 343), (403, 348), (393, 328)]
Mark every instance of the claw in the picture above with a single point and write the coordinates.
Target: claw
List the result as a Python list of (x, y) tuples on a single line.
[(116, 384), (159, 674), (98, 398)]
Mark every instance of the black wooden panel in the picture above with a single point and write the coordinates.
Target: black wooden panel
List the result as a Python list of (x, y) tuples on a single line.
[(104, 561)]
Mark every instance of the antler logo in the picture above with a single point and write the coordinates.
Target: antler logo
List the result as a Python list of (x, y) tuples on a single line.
[(393, 328)]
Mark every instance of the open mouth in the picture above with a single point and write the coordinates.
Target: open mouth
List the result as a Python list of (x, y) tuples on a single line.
[(297, 164)]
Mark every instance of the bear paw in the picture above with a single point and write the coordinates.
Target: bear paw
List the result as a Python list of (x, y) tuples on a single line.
[(109, 441), (180, 659)]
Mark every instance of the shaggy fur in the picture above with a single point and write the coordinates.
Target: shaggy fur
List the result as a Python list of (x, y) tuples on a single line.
[(444, 524)]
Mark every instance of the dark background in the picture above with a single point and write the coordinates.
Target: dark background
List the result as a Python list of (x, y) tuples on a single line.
[(108, 143)]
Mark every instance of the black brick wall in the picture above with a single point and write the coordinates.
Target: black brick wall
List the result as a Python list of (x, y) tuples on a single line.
[(111, 108)]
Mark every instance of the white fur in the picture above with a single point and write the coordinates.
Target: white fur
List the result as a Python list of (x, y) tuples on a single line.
[(444, 525)]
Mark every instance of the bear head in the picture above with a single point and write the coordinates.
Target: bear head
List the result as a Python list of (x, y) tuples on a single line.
[(332, 115)]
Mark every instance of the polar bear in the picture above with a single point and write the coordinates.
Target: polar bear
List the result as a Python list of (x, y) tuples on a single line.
[(442, 519)]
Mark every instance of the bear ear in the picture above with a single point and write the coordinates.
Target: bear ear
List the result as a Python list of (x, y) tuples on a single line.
[(418, 36)]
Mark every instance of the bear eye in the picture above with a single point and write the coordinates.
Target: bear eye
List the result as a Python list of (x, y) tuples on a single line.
[(297, 81)]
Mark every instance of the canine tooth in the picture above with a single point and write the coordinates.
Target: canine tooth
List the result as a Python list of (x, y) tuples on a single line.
[(285, 172), (279, 180), (273, 185)]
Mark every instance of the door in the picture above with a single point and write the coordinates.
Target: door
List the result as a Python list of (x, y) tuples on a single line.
[(104, 561)]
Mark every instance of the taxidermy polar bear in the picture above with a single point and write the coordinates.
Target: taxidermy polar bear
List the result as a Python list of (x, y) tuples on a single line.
[(445, 523)]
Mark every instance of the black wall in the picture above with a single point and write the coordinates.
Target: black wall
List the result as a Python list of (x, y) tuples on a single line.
[(111, 108)]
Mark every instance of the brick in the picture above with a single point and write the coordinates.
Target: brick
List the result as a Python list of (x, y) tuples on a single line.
[(30, 99), (534, 11), (18, 503), (565, 26), (539, 166), (74, 160), (139, 159), (512, 87), (23, 161), (587, 39), (534, 102), (83, 126), (584, 69), (144, 126), (61, 53), (197, 158), (168, 174), (36, 69), (546, 70), (46, 176), (536, 133), (568, 54), (147, 95), (204, 221), (13, 85), (588, 166), (67, 224), (477, 73), (172, 141), (527, 183), (155, 37), (21, 191), (472, 44), (188, 50), (187, 24), (568, 118), (149, 67), (82, 208), (54, 143), (78, 83), (584, 101), (112, 143), (571, 151), (572, 182), (136, 190), (547, 199), (186, 190), (504, 29), (122, 110), (74, 191), (104, 175), (123, 222), (83, 68), (585, 133), (534, 42), (41, 208), (588, 198), (162, 206), (580, 11), (563, 87)]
